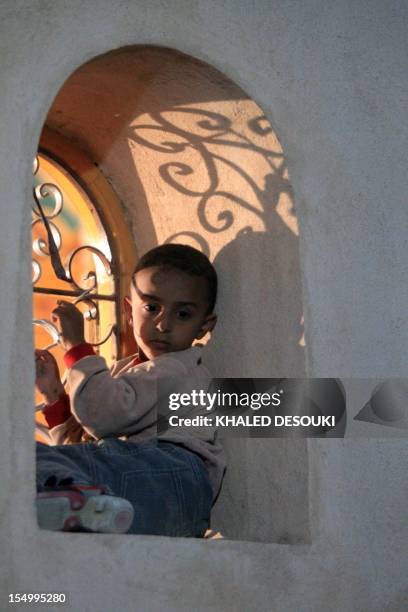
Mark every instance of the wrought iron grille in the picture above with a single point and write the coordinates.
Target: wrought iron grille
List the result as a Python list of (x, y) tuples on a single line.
[(72, 258)]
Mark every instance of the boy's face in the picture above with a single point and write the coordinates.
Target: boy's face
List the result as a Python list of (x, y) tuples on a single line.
[(168, 310)]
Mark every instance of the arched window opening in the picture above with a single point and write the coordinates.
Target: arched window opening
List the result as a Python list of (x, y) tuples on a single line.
[(195, 160)]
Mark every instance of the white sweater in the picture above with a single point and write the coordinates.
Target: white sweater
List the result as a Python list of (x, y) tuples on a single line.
[(124, 403)]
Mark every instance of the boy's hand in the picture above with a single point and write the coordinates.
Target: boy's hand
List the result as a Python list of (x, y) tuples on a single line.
[(70, 324), (47, 376)]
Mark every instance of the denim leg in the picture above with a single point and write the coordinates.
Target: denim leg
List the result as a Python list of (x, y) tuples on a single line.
[(167, 485), (67, 461)]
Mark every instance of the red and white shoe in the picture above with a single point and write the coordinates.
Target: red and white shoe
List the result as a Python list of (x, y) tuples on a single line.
[(82, 508)]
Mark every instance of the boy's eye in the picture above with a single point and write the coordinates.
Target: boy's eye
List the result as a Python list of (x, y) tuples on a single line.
[(150, 307), (183, 314)]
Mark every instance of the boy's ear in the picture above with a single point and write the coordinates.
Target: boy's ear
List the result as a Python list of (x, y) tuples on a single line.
[(127, 307), (208, 325)]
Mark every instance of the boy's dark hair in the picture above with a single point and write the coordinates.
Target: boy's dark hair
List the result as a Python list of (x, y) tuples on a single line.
[(185, 258)]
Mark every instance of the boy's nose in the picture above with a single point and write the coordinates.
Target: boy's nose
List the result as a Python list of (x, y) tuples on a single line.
[(163, 323)]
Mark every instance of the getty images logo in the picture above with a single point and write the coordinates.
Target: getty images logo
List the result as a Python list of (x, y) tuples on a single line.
[(288, 407)]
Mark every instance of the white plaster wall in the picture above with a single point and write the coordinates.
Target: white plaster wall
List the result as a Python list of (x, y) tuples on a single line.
[(332, 78)]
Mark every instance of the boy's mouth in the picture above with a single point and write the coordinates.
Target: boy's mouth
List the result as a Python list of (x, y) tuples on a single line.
[(160, 345)]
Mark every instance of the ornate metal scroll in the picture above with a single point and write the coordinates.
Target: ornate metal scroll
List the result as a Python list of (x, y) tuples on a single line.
[(84, 289)]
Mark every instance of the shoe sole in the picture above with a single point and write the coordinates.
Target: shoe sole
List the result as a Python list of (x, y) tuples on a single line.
[(100, 513)]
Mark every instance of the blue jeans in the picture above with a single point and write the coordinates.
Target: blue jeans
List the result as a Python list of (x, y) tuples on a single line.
[(167, 485)]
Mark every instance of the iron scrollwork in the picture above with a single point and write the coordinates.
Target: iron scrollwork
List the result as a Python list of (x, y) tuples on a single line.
[(51, 247)]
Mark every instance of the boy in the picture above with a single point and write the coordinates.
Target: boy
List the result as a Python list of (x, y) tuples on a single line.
[(171, 479)]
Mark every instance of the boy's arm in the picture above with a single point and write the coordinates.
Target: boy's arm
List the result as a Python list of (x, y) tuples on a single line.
[(105, 405), (61, 427)]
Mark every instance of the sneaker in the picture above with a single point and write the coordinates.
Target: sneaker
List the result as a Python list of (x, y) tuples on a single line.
[(82, 508)]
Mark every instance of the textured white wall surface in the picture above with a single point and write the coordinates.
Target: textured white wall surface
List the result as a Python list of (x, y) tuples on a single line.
[(331, 78)]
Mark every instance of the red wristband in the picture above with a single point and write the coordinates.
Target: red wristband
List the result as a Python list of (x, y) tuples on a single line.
[(57, 412), (77, 352)]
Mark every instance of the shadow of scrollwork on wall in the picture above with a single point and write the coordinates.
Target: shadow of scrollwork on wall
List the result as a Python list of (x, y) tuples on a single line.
[(210, 135), (225, 178)]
